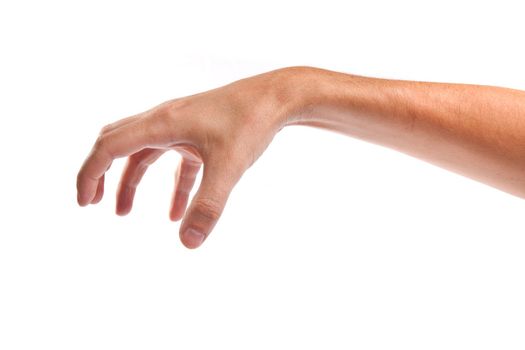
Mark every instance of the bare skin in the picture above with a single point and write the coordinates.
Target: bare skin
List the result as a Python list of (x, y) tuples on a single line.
[(477, 131)]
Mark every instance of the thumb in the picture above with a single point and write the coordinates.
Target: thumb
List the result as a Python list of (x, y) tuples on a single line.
[(218, 180)]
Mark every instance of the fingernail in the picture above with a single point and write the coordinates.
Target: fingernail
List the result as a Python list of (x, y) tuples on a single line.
[(193, 238)]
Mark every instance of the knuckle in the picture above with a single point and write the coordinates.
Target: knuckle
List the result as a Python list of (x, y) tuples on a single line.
[(105, 129), (176, 106), (158, 126), (209, 208), (183, 191), (101, 141), (101, 144), (162, 113)]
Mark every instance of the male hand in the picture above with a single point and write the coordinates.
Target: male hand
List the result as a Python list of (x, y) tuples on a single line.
[(225, 130)]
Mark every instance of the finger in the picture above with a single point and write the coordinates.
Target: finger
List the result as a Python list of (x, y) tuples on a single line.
[(119, 123), (125, 140), (100, 191), (208, 203), (134, 170), (184, 180), (106, 129)]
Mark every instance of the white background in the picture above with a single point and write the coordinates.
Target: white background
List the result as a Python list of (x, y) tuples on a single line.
[(327, 242)]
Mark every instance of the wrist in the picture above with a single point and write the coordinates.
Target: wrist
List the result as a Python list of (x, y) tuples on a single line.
[(314, 96), (309, 93), (296, 92), (335, 100)]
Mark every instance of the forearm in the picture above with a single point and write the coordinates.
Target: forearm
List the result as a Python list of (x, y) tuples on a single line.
[(477, 131)]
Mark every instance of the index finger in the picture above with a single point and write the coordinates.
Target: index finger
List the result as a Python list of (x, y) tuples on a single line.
[(119, 142)]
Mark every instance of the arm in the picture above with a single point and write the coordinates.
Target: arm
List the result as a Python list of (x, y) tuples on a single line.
[(478, 131)]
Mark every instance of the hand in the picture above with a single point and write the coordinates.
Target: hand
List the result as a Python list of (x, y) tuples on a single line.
[(226, 129)]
